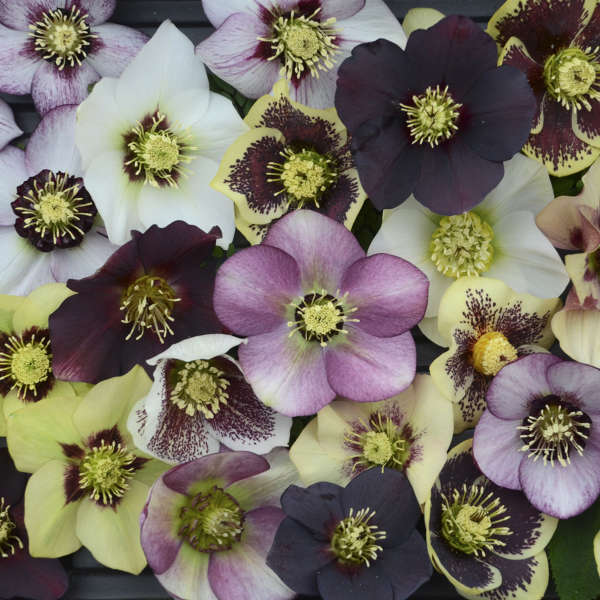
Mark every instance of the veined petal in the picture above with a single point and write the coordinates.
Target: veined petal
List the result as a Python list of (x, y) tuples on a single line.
[(217, 11), (578, 332), (576, 380), (199, 347), (341, 9), (118, 45), (18, 61), (19, 16)]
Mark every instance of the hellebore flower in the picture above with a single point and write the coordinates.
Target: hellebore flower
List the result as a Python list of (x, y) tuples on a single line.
[(9, 130), (487, 325), (208, 524), (259, 41), (89, 482), (199, 400), (151, 141), (49, 226), (352, 543), (410, 432), (555, 44), (541, 434), (321, 318), (155, 288), (292, 157), (498, 237), (488, 541), (56, 48), (436, 120), (21, 575)]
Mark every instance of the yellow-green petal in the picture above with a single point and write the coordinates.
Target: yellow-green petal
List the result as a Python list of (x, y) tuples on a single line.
[(420, 18), (39, 305), (59, 390)]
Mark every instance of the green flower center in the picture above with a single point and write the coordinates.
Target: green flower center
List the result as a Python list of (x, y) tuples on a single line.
[(211, 521), (305, 176), (354, 541), (62, 37), (200, 387), (462, 246), (432, 117), (303, 43), (491, 352), (470, 520), (148, 303), (8, 541), (27, 364), (105, 471), (571, 77)]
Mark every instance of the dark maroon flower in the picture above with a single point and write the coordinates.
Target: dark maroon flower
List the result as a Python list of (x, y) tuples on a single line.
[(156, 288), (20, 574), (435, 120)]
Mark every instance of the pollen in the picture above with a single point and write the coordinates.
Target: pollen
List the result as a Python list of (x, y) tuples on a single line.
[(491, 352)]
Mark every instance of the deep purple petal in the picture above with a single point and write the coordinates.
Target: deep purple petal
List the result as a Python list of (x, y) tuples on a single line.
[(578, 383), (117, 46), (366, 368), (98, 11), (18, 60), (253, 287), (389, 292), (339, 583), (19, 15), (529, 576), (459, 469), (591, 32), (12, 482)]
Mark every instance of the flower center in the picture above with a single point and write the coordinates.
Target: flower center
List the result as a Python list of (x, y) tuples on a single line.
[(432, 117), (200, 387), (354, 541), (156, 153), (53, 210), (8, 541), (305, 176), (491, 352), (570, 77), (211, 521), (105, 472), (62, 36), (320, 317), (462, 246), (303, 44), (470, 520), (148, 303), (554, 430)]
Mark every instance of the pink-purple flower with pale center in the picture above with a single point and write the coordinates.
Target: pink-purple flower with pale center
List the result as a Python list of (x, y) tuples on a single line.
[(55, 49), (541, 433), (321, 318)]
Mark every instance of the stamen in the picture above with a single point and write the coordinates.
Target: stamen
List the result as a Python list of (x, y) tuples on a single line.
[(9, 542), (491, 352)]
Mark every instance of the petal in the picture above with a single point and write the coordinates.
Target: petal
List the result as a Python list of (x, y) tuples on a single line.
[(35, 309), (577, 333), (253, 288), (200, 347), (12, 174), (389, 293), (586, 123), (8, 127), (286, 373), (20, 15), (578, 381), (18, 61), (323, 248), (341, 9), (334, 582), (97, 11), (366, 368), (115, 48), (13, 481), (420, 18), (217, 11)]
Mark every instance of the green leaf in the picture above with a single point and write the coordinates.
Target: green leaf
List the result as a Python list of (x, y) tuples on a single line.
[(298, 424), (571, 556), (367, 224), (567, 186)]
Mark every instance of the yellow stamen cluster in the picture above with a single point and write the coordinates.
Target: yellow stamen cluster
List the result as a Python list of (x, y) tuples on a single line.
[(9, 542), (491, 352)]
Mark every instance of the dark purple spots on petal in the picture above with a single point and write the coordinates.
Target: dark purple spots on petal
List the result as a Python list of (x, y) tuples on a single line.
[(337, 201), (517, 575), (519, 327), (73, 491), (472, 404)]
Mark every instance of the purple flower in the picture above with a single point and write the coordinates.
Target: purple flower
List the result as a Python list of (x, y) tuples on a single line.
[(321, 318), (56, 48), (20, 574), (352, 543), (541, 433), (154, 288), (208, 524), (436, 120)]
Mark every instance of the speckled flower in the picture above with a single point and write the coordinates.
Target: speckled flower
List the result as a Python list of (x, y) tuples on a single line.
[(556, 44), (498, 238), (321, 318), (486, 326), (89, 482), (49, 226), (9, 130), (208, 524), (152, 139), (487, 540), (410, 432), (56, 49), (199, 400), (292, 157), (258, 41), (541, 433), (157, 288)]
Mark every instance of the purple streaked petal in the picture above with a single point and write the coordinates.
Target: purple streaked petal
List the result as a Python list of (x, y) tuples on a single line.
[(521, 579), (366, 368), (322, 248), (511, 391), (52, 145), (217, 11), (51, 87), (224, 467), (340, 9), (18, 15), (12, 174), (389, 292), (337, 583), (118, 45), (18, 61), (8, 128), (98, 11), (578, 382), (253, 287), (286, 373), (318, 92)]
